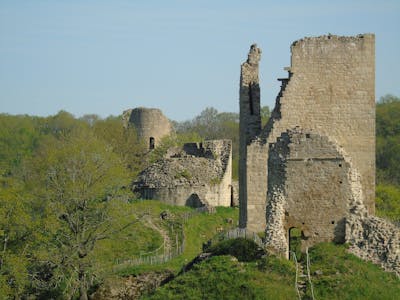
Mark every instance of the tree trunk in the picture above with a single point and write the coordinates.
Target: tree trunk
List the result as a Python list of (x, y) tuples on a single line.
[(82, 286)]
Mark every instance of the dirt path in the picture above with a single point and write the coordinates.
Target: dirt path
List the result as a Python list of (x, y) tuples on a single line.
[(148, 222)]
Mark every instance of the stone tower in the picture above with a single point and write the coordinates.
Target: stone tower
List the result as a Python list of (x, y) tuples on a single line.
[(316, 155), (150, 123)]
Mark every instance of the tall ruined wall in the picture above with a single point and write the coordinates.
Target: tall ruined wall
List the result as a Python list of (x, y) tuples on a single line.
[(249, 128), (331, 91), (149, 123)]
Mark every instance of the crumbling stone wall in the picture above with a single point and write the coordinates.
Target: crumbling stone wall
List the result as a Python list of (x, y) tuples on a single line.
[(309, 188), (150, 123), (196, 175), (330, 92), (374, 239)]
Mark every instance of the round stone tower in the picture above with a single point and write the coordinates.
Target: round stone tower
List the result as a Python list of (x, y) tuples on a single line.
[(150, 123)]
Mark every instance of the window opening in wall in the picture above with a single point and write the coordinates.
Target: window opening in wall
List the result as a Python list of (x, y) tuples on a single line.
[(295, 242), (152, 143)]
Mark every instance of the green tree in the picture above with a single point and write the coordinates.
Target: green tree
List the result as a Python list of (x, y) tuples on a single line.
[(79, 177), (61, 124), (388, 202), (388, 140), (16, 230), (18, 139), (123, 141)]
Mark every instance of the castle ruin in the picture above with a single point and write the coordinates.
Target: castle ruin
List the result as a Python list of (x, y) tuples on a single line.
[(196, 175), (321, 132)]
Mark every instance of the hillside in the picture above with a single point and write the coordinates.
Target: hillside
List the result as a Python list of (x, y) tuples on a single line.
[(335, 274), (239, 269)]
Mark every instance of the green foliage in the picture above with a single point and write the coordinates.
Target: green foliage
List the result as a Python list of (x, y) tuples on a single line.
[(14, 276), (344, 276), (241, 248), (265, 114), (18, 139), (123, 141), (16, 233), (77, 176), (388, 140), (388, 202)]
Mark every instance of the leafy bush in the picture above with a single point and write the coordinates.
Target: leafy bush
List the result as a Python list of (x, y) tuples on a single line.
[(241, 248)]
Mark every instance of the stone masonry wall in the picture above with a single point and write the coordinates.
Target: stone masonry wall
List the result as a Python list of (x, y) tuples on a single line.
[(331, 91), (149, 123), (308, 188)]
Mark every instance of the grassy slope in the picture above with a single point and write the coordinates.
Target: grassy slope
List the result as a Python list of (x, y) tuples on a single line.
[(347, 277), (223, 277), (344, 276), (137, 238), (197, 230)]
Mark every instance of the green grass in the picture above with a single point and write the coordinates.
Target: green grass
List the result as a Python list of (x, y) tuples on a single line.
[(197, 230), (139, 239), (345, 276), (223, 277)]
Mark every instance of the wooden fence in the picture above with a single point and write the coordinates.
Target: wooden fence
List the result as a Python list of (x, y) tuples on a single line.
[(236, 233)]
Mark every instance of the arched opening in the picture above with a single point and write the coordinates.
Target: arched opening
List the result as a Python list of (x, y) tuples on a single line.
[(294, 239), (194, 201), (152, 143)]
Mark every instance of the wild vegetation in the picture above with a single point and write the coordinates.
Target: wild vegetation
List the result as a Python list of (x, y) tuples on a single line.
[(68, 217)]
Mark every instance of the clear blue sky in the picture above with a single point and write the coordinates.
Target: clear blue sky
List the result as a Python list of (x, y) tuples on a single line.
[(181, 56)]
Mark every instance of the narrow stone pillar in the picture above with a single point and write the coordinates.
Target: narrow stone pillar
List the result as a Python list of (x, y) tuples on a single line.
[(250, 121)]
